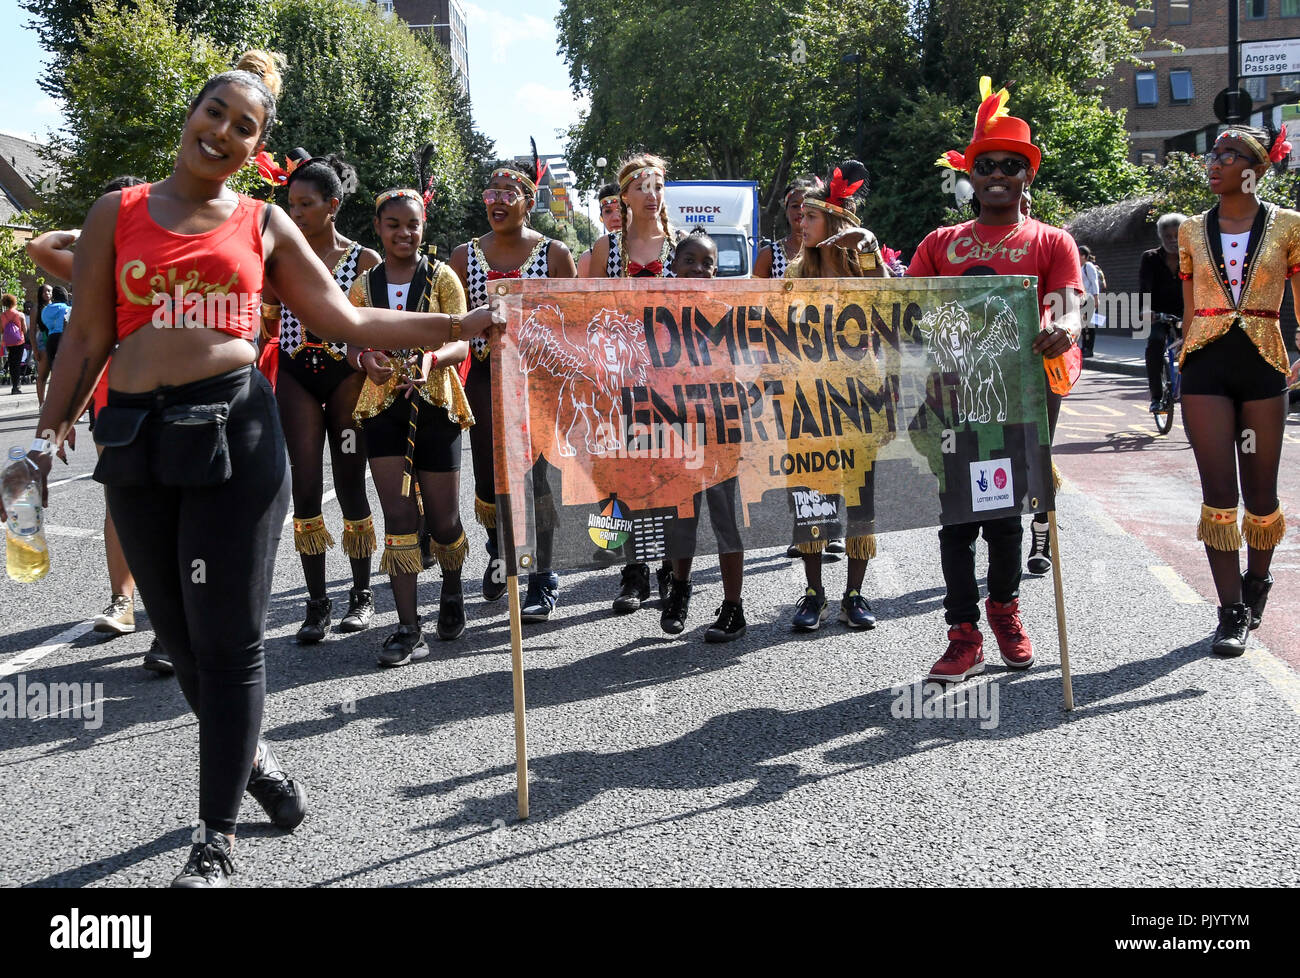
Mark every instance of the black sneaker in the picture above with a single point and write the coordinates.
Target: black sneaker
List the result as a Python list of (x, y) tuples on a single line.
[(539, 600), (730, 624), (158, 659), (835, 547), (673, 618), (1254, 594), (404, 646), (1040, 550), (451, 614), (810, 612), (208, 866), (283, 799), (361, 608), (793, 551), (317, 622), (855, 611), (635, 588), (1233, 633), (664, 577), (494, 579)]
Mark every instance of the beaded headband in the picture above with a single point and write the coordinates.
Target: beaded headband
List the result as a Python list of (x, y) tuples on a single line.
[(830, 208), (612, 198), (510, 174), (388, 195), (1260, 153), (640, 172)]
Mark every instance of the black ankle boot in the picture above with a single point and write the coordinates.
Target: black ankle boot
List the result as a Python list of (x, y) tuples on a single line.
[(634, 589), (1254, 594), (1233, 633), (451, 613), (317, 622), (361, 608), (673, 618)]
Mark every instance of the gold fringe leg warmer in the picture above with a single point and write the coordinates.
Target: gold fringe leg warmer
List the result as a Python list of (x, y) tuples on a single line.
[(310, 535), (359, 538), (1218, 528), (485, 513), (1263, 532), (811, 547), (401, 554), (860, 548), (451, 556)]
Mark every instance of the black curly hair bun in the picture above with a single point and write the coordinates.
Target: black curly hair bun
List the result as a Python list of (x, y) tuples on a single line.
[(331, 175)]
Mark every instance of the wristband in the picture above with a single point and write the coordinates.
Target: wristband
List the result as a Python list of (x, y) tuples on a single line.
[(41, 446), (270, 310), (455, 329)]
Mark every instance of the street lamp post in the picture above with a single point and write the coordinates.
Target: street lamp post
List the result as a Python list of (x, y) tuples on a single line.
[(856, 60)]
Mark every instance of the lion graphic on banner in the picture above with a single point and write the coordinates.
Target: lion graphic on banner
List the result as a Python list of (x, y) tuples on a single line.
[(592, 374), (970, 352)]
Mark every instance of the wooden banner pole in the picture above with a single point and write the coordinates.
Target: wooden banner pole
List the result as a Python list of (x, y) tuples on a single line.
[(1060, 610), (517, 668)]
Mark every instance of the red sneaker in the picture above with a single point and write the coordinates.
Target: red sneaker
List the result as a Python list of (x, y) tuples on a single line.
[(1017, 651), (965, 655)]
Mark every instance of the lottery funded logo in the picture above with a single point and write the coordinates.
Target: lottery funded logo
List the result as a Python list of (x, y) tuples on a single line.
[(991, 485), (610, 528)]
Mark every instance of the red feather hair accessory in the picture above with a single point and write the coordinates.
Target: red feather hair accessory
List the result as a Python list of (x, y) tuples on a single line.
[(1281, 149), (840, 189), (269, 170)]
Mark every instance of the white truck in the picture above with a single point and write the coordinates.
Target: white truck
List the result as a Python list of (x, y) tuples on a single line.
[(728, 210)]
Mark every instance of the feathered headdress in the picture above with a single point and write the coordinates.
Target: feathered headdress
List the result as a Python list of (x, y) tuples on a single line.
[(538, 166), (270, 171), (840, 191), (995, 128), (424, 175)]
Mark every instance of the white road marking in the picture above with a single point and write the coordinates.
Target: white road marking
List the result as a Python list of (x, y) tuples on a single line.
[(64, 482), (24, 659), (1175, 585), (1108, 525), (72, 531), (1277, 673)]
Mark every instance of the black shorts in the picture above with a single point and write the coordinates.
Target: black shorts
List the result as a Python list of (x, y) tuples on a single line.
[(318, 372), (679, 537), (437, 437), (1231, 366)]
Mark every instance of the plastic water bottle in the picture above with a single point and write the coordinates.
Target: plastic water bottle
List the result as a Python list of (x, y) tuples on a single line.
[(27, 558)]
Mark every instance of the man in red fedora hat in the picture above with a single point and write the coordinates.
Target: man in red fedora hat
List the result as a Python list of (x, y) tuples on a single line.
[(1002, 160)]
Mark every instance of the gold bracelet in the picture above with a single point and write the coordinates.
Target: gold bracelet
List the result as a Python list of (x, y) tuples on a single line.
[(270, 310), (455, 329)]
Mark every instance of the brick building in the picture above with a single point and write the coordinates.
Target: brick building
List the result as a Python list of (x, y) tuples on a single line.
[(1170, 104), (446, 18)]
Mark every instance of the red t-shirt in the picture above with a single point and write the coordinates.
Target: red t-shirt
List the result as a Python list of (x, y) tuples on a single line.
[(1032, 249)]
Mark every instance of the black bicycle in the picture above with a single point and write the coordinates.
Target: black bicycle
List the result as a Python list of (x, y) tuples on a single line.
[(1170, 377)]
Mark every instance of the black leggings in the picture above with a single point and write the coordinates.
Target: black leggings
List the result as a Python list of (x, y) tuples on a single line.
[(204, 560), (478, 391), (15, 365), (307, 423)]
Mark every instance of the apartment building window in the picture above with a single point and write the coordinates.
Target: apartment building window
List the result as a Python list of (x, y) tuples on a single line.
[(1291, 8), (1147, 158), (1256, 9), (1147, 94), (1180, 87), (1256, 87), (385, 7), (1145, 13), (1180, 11), (1288, 83)]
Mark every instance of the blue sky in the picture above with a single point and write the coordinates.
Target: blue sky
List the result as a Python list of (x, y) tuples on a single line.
[(518, 83)]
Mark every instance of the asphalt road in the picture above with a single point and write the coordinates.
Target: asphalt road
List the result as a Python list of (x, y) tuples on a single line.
[(778, 759)]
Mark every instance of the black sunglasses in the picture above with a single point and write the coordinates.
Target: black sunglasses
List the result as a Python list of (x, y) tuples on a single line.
[(1010, 167)]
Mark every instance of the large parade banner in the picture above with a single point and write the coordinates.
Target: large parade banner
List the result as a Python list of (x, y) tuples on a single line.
[(788, 411)]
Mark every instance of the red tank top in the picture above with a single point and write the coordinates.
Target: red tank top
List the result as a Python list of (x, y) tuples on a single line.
[(171, 280)]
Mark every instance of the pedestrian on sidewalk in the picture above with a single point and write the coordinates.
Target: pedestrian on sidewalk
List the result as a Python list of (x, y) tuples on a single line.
[(1002, 161), (1235, 261), (1094, 284), (14, 327), (1158, 280)]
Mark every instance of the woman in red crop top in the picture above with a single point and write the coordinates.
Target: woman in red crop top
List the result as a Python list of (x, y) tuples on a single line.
[(194, 459)]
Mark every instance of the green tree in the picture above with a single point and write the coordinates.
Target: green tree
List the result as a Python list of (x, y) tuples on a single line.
[(14, 264), (60, 25)]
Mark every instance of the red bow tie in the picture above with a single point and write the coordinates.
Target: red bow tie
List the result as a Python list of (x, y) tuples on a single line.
[(654, 268), (494, 275)]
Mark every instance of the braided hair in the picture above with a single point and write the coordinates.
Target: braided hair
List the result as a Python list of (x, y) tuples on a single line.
[(630, 165)]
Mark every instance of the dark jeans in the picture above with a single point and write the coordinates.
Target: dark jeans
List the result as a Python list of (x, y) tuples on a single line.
[(52, 346), (204, 561), (957, 553), (1155, 358), (15, 365)]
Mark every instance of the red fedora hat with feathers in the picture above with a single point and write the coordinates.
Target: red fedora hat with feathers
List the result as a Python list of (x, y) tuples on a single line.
[(995, 129)]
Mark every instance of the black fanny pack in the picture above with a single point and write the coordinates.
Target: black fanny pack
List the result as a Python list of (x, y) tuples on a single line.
[(182, 446)]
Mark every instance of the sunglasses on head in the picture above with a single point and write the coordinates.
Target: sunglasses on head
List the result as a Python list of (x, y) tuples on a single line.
[(501, 196), (985, 167)]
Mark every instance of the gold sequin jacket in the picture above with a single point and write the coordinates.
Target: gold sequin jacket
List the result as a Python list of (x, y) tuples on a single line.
[(1272, 257), (442, 388)]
